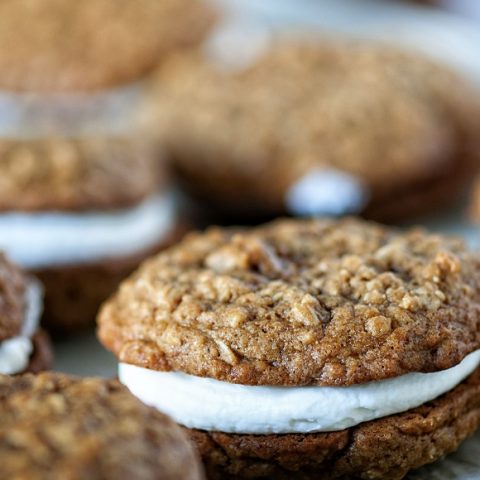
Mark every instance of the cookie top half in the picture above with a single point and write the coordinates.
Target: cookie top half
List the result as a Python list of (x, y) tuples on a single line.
[(391, 119), (299, 302), (61, 45), (91, 428), (13, 284), (76, 174)]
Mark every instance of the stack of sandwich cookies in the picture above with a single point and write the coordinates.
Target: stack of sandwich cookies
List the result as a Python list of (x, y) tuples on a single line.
[(306, 348), (325, 127), (77, 175), (59, 427), (23, 346), (95, 209)]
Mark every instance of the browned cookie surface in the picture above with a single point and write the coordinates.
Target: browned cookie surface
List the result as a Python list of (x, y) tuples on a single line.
[(299, 302), (76, 174), (13, 284), (54, 426), (397, 122), (382, 449), (92, 44), (74, 293)]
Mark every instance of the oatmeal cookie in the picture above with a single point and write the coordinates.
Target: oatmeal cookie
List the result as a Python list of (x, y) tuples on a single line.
[(319, 128), (311, 302), (55, 426)]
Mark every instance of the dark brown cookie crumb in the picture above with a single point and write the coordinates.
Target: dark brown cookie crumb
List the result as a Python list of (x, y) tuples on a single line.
[(42, 355), (294, 302)]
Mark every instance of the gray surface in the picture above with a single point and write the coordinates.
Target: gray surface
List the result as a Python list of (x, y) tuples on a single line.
[(83, 355)]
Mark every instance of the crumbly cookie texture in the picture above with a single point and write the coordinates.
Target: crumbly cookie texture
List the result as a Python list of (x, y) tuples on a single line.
[(13, 283), (392, 119), (57, 45), (54, 426), (300, 302), (76, 174), (385, 448)]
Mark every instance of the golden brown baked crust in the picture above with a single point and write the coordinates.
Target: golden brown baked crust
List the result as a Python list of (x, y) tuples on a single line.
[(54, 426), (297, 302), (74, 293), (13, 283), (382, 449), (76, 174), (93, 44), (398, 122)]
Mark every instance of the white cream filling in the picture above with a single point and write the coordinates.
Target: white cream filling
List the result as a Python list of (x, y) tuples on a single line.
[(15, 352), (209, 404), (326, 192), (43, 239), (235, 45), (36, 115)]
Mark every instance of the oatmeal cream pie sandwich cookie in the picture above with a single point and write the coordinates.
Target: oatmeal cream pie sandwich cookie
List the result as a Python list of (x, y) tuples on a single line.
[(23, 346), (318, 127), (80, 196), (59, 427), (81, 215), (306, 349)]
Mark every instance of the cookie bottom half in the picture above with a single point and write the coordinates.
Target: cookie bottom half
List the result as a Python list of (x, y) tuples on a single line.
[(381, 449)]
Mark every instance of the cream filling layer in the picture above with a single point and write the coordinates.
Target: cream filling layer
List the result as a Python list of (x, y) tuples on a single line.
[(208, 404), (326, 191), (15, 352), (36, 115), (44, 239)]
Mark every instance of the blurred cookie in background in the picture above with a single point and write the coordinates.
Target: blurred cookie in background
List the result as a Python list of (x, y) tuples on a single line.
[(24, 347), (293, 350), (318, 127), (82, 194), (82, 214), (57, 45), (56, 426)]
